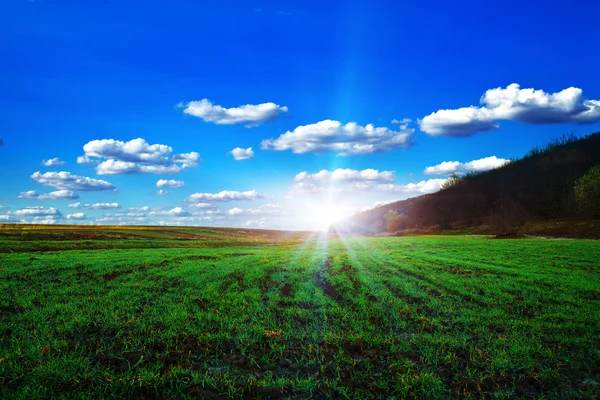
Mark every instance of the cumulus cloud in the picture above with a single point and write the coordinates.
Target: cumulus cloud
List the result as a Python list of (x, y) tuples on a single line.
[(339, 180), (75, 205), (242, 154), (67, 181), (449, 167), (85, 160), (267, 209), (56, 195), (9, 218), (257, 223), (249, 114), (112, 220), (513, 104), (171, 183), (37, 211), (76, 216), (52, 162), (202, 205), (162, 192), (225, 195), (423, 187), (102, 206), (30, 194), (346, 175), (348, 180), (349, 139), (129, 214), (139, 209), (175, 212), (135, 157), (115, 167), (50, 220), (461, 122)]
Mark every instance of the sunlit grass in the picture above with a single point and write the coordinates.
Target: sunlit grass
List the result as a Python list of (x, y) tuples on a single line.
[(413, 317)]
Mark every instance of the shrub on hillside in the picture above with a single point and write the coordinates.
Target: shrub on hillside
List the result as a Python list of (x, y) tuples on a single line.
[(507, 216), (391, 220), (397, 224), (451, 182), (587, 192)]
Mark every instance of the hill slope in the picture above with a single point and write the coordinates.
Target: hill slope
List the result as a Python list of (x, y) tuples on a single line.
[(537, 187)]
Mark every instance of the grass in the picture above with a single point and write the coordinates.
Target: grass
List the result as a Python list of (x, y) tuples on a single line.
[(260, 314)]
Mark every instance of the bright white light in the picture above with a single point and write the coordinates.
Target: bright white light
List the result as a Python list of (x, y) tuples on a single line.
[(322, 216)]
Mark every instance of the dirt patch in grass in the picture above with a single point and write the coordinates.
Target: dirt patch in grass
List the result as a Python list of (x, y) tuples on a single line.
[(11, 310), (286, 290), (115, 274), (196, 258), (201, 303)]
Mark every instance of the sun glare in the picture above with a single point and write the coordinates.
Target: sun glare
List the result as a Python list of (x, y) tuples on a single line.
[(323, 216)]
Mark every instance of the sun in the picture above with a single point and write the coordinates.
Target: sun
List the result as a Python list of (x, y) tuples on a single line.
[(328, 215), (320, 214)]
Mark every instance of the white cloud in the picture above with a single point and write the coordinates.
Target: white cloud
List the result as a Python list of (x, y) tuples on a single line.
[(162, 192), (242, 154), (444, 168), (175, 212), (44, 221), (37, 212), (257, 223), (129, 214), (115, 167), (56, 195), (172, 183), (52, 162), (9, 218), (201, 205), (513, 104), (225, 195), (267, 209), (346, 175), (111, 220), (423, 187), (138, 209), (339, 181), (85, 160), (75, 205), (102, 206), (461, 122), (449, 167), (349, 139), (136, 150), (77, 216), (30, 194), (67, 181), (249, 114), (187, 159), (403, 121), (135, 157), (484, 164)]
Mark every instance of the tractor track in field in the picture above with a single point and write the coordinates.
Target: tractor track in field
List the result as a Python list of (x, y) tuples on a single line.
[(435, 289)]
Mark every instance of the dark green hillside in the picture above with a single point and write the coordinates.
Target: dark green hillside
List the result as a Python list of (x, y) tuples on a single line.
[(537, 187)]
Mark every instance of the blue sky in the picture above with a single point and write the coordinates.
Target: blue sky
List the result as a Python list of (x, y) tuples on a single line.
[(103, 73)]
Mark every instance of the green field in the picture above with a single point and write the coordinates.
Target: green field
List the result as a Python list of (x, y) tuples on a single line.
[(209, 313)]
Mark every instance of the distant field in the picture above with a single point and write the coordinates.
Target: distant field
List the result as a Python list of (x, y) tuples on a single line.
[(181, 313)]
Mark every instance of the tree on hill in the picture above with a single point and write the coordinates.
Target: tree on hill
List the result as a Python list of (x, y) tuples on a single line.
[(587, 192), (451, 182)]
